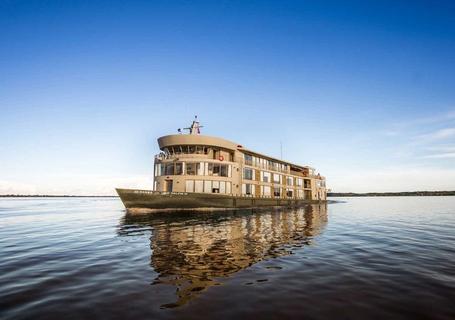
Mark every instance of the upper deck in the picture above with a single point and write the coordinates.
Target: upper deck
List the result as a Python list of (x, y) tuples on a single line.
[(195, 145), (198, 163)]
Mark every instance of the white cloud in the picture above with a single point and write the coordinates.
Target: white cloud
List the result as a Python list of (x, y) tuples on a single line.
[(411, 125), (414, 140), (448, 155), (438, 118), (438, 134), (442, 148)]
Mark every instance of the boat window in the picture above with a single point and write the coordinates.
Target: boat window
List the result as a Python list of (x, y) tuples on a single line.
[(289, 181), (223, 170), (248, 159), (276, 178), (247, 189), (191, 168), (191, 149), (158, 169), (276, 192), (228, 187), (289, 193), (216, 169), (266, 176), (222, 187), (210, 169), (178, 168), (265, 190), (247, 174), (215, 187), (189, 185), (307, 183), (198, 186), (200, 168), (169, 169), (194, 168), (207, 186)]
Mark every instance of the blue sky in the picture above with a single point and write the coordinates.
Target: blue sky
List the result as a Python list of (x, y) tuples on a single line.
[(362, 90)]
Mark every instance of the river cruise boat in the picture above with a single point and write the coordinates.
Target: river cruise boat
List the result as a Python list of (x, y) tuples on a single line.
[(198, 172)]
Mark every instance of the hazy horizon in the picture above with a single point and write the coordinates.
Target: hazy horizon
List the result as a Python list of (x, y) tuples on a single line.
[(361, 91)]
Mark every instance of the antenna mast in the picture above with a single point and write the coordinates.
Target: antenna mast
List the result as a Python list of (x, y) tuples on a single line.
[(195, 127)]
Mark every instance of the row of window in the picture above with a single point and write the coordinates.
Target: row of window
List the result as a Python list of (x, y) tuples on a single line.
[(264, 163), (320, 183), (277, 192), (249, 174), (193, 169), (207, 186), (192, 149), (186, 150)]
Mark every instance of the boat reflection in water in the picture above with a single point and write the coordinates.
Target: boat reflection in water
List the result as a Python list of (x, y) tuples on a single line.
[(190, 252)]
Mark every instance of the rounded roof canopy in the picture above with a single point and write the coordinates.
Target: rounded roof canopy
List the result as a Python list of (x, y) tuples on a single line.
[(200, 140)]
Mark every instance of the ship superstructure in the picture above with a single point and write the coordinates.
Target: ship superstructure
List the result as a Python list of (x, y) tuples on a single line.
[(197, 166)]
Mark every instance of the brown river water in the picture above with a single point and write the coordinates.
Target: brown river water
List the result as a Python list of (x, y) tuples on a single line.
[(359, 258)]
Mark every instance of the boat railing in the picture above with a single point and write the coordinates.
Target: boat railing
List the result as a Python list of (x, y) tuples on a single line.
[(163, 156), (176, 156), (225, 194), (268, 197), (160, 192)]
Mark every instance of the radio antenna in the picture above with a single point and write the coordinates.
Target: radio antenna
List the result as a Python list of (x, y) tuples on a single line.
[(281, 150)]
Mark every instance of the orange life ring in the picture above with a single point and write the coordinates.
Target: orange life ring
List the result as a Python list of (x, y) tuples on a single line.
[(221, 158)]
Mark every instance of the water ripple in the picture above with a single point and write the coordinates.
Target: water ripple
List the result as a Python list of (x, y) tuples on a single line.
[(364, 258)]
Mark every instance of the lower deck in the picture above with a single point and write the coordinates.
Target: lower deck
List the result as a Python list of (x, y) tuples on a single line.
[(162, 201)]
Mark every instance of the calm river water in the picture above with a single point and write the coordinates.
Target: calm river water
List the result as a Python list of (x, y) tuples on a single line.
[(362, 258)]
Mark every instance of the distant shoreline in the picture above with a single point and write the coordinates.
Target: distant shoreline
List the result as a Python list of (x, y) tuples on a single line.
[(330, 194), (49, 196), (393, 194)]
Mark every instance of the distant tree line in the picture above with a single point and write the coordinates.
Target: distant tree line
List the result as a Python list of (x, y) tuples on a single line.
[(392, 194), (50, 196)]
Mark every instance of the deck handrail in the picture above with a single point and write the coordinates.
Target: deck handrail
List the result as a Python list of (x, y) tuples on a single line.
[(138, 191)]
